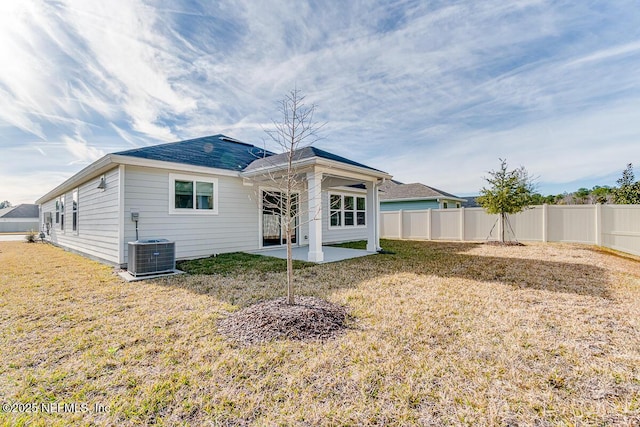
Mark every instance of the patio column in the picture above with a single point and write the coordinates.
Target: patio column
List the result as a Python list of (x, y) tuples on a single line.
[(373, 207), (314, 189)]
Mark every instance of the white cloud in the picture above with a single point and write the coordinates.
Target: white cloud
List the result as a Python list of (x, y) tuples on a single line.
[(121, 40), (103, 55), (608, 53), (557, 150), (28, 188), (426, 91), (81, 151)]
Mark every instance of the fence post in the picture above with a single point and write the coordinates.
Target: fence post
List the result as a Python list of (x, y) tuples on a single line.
[(598, 224), (545, 218), (400, 224), (429, 224), (462, 224)]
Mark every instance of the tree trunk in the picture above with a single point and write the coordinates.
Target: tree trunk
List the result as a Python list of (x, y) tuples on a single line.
[(287, 231), (290, 298), (502, 218)]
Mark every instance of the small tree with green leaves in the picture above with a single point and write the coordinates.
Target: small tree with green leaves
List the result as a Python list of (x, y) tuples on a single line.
[(628, 192), (601, 194), (508, 192), (581, 196)]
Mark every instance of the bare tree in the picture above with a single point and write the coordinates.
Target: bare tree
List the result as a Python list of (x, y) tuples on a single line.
[(294, 131)]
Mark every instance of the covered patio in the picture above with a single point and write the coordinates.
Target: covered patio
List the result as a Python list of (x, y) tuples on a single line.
[(300, 253), (310, 173)]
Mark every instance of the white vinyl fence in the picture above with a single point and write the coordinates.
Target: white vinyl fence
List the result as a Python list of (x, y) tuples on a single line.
[(612, 226)]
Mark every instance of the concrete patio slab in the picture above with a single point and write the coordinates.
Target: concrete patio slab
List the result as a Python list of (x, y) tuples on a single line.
[(331, 254), (13, 237), (131, 278)]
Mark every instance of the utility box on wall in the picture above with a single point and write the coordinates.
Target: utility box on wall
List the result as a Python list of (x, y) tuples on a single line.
[(151, 256)]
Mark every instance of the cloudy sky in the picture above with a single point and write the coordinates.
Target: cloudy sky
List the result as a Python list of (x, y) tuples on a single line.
[(429, 91)]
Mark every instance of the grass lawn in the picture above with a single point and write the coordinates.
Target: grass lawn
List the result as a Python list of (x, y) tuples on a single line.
[(238, 262), (444, 334)]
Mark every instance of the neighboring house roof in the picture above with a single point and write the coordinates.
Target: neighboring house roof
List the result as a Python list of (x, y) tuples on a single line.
[(217, 151), (25, 210), (392, 191), (471, 202), (301, 154)]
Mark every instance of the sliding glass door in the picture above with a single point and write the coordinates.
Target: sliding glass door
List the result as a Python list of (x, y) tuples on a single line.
[(273, 220)]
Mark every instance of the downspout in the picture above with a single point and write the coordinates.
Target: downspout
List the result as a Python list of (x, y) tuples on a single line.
[(377, 217), (121, 242)]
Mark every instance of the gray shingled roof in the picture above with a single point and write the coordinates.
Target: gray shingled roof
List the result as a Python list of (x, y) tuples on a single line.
[(217, 151), (222, 152), (392, 190), (472, 202), (25, 210), (301, 154)]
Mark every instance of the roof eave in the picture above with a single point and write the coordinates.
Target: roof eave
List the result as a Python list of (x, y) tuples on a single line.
[(162, 164), (111, 160), (96, 168), (414, 199), (317, 161), (409, 199)]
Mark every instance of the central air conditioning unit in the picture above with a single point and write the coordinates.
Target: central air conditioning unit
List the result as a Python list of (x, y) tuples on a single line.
[(151, 256)]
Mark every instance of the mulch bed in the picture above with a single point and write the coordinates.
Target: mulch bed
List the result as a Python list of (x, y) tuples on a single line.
[(308, 319), (498, 243)]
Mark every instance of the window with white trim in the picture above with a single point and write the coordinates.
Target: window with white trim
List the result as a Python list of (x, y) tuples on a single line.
[(61, 212), (58, 209), (361, 211), (193, 194), (347, 210), (74, 211), (335, 206)]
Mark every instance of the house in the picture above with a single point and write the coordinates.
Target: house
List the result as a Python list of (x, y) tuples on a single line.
[(395, 196), (210, 195), (19, 219)]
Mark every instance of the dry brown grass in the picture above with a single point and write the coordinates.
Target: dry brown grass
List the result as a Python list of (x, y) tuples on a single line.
[(445, 334)]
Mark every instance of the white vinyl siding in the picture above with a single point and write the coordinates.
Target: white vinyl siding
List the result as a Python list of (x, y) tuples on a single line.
[(234, 228), (96, 221)]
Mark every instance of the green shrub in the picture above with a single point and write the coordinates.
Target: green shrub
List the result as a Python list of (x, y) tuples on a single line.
[(31, 237)]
